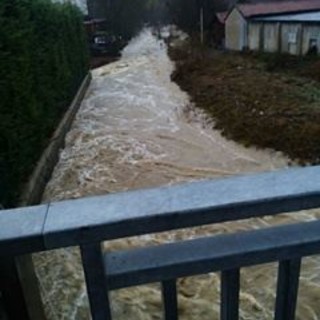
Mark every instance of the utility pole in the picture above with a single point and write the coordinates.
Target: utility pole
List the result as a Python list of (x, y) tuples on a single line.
[(201, 25), (200, 5)]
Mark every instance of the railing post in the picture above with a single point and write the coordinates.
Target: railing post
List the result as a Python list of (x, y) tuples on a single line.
[(287, 289), (98, 293), (170, 299), (20, 290), (230, 288)]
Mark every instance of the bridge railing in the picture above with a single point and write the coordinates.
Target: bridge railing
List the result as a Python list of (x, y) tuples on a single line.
[(90, 221)]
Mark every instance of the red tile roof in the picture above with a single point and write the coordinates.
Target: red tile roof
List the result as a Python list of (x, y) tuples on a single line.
[(222, 16), (258, 9)]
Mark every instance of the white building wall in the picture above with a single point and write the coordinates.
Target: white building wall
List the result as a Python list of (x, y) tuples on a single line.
[(236, 31), (254, 32), (287, 33), (291, 38), (271, 37)]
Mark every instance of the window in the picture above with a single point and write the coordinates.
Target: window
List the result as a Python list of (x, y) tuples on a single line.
[(292, 37), (313, 43)]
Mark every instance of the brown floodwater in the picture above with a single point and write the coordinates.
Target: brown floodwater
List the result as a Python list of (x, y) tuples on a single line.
[(137, 129)]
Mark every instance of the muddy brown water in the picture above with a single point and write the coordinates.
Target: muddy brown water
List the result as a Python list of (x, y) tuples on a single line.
[(137, 129)]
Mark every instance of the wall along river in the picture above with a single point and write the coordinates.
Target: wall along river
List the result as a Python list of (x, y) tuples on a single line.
[(137, 129)]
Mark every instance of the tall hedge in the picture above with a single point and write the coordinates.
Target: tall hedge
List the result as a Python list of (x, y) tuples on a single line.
[(43, 59)]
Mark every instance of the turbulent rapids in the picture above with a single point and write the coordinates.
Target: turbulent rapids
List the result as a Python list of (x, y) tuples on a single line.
[(137, 129)]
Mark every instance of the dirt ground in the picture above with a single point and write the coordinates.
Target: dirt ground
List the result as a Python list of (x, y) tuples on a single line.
[(265, 101)]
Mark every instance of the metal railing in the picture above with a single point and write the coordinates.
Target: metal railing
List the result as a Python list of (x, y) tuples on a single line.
[(89, 221)]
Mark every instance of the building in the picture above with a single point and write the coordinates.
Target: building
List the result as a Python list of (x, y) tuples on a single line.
[(287, 27)]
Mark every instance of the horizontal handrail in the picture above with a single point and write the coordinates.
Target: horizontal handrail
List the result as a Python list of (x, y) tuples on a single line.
[(87, 220), (211, 254)]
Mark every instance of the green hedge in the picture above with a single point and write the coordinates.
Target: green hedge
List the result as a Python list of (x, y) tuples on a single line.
[(43, 59)]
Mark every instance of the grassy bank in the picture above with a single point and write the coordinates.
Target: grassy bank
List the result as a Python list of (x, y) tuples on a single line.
[(250, 103)]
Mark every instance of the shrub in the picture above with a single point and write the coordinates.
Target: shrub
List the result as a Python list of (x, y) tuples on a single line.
[(43, 59)]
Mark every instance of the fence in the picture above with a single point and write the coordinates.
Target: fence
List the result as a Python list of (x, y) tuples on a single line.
[(89, 221)]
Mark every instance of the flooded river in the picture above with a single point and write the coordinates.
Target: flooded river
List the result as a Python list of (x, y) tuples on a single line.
[(137, 129)]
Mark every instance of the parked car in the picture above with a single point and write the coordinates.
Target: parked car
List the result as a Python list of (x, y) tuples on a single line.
[(103, 43)]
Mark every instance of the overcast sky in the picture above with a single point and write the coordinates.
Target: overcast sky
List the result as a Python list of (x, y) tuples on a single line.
[(82, 4)]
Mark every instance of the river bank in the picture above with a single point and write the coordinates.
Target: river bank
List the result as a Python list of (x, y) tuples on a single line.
[(251, 105)]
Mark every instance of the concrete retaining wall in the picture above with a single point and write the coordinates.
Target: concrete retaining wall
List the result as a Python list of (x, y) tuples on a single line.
[(33, 191)]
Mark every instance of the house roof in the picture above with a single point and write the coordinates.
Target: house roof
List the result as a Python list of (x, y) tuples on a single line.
[(296, 17), (273, 8), (222, 16)]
